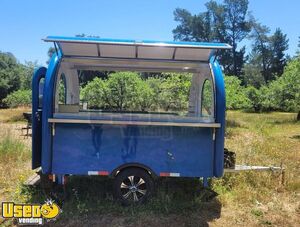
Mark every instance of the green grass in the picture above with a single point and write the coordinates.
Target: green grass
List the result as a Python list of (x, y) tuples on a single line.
[(249, 198), (94, 194), (10, 148), (91, 198), (14, 159)]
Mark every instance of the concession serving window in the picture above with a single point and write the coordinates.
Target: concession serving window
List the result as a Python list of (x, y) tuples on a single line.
[(148, 59)]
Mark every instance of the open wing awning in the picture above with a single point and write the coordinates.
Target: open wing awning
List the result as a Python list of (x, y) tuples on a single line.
[(144, 54)]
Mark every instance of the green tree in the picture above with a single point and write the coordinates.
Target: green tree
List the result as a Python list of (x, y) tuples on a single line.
[(192, 27), (145, 96), (268, 51), (155, 85), (298, 51), (254, 98), (207, 99), (27, 74), (259, 98), (285, 91), (217, 21), (225, 22), (85, 76), (10, 71), (122, 90), (175, 91), (183, 31), (50, 52), (237, 29), (95, 93), (261, 49), (236, 97), (18, 98), (252, 73), (278, 45)]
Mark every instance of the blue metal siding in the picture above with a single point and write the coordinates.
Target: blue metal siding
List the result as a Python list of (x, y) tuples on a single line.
[(36, 122), (48, 100), (79, 148), (220, 118)]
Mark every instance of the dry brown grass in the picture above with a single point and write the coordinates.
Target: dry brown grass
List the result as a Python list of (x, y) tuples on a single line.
[(245, 199), (13, 115), (14, 154), (255, 198)]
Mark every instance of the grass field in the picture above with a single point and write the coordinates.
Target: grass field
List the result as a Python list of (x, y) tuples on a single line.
[(245, 199)]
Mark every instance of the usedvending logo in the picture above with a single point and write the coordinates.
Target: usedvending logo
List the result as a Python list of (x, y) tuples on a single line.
[(31, 213)]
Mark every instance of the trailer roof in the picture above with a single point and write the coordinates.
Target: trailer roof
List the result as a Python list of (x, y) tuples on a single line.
[(128, 49)]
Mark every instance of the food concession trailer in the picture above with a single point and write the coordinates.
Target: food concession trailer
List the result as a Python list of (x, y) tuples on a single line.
[(132, 147)]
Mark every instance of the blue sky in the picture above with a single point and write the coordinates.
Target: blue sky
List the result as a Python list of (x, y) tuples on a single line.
[(24, 23)]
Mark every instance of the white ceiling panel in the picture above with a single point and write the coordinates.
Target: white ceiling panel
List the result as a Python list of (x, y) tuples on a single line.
[(155, 52), (73, 49), (131, 49), (192, 54), (117, 51)]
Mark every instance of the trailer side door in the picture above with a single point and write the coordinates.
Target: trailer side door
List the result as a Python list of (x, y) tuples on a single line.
[(37, 108)]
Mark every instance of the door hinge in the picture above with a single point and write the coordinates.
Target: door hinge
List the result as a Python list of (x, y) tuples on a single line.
[(53, 129)]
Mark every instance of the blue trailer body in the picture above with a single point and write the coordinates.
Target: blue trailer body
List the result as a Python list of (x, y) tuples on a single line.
[(80, 149), (64, 145)]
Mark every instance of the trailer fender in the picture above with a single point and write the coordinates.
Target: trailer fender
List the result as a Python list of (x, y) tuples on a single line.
[(116, 171)]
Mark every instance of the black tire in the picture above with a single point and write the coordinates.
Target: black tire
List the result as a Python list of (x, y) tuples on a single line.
[(133, 186)]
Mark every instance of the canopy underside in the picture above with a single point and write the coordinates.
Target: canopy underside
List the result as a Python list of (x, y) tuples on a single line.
[(135, 55)]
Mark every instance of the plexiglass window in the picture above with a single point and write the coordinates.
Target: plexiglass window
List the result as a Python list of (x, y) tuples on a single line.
[(62, 90), (147, 96), (207, 99)]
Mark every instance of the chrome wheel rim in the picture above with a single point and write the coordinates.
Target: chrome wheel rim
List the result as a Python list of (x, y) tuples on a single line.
[(133, 188)]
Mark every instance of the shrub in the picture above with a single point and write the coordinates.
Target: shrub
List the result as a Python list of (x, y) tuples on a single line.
[(155, 85), (236, 97), (122, 90), (281, 94), (18, 98), (286, 89), (94, 93), (127, 91), (174, 93), (145, 96), (253, 94)]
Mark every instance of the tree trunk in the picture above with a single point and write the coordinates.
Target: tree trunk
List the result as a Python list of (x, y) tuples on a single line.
[(298, 116)]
